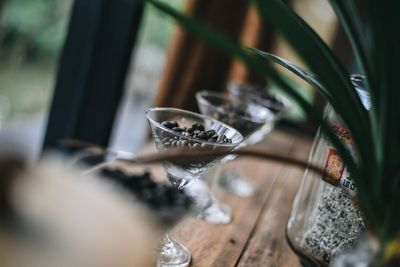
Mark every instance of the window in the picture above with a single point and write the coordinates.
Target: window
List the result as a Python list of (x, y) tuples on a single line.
[(31, 37), (142, 81), (320, 16)]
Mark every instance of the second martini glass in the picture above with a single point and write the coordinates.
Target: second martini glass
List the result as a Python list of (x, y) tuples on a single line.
[(245, 116), (278, 105), (173, 128)]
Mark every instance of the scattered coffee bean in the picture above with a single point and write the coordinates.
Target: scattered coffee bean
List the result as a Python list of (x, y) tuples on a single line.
[(169, 203)]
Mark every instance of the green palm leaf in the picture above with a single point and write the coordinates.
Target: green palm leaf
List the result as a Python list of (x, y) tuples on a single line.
[(300, 72), (326, 66), (349, 18)]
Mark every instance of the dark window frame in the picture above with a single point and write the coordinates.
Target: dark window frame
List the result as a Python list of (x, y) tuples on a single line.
[(92, 70)]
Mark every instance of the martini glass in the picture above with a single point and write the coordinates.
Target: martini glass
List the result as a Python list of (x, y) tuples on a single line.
[(244, 115), (183, 173), (278, 105), (257, 94)]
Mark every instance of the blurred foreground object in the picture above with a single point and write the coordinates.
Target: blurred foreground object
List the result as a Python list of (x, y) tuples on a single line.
[(52, 215)]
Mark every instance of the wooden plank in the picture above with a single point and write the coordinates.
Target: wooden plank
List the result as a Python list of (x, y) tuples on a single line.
[(256, 235), (267, 245), (222, 245)]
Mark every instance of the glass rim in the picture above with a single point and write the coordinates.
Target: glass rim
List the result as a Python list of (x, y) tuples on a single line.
[(239, 135), (286, 105), (226, 96)]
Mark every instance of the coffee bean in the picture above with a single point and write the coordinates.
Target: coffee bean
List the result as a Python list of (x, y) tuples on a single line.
[(196, 131), (198, 126), (166, 124), (177, 129), (202, 135), (210, 133), (168, 203)]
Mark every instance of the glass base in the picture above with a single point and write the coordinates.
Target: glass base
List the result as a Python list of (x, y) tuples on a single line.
[(173, 254), (237, 184), (216, 213), (206, 206)]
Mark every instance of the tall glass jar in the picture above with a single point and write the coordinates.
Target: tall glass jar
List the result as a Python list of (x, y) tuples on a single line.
[(324, 219)]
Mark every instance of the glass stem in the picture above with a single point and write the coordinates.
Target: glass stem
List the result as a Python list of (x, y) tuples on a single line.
[(166, 243), (215, 178)]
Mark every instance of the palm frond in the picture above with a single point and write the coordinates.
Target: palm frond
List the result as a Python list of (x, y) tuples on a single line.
[(300, 72), (385, 37), (349, 18), (321, 60)]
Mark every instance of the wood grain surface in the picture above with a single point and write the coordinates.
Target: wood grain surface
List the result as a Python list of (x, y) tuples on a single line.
[(256, 237)]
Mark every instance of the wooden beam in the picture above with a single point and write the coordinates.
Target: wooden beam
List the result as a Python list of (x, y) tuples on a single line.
[(192, 64)]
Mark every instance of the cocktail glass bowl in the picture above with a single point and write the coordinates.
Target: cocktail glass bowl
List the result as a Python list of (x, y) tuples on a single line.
[(244, 115), (182, 173)]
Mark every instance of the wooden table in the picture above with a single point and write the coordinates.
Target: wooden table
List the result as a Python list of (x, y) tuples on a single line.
[(256, 237)]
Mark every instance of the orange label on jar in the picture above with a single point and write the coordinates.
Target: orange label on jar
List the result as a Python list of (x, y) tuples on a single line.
[(334, 168)]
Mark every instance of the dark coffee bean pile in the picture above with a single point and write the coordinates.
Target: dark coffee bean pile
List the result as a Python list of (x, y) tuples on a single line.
[(192, 137), (169, 203), (196, 131), (237, 117)]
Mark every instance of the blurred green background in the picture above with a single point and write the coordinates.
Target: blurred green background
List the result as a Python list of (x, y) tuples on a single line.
[(32, 34)]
